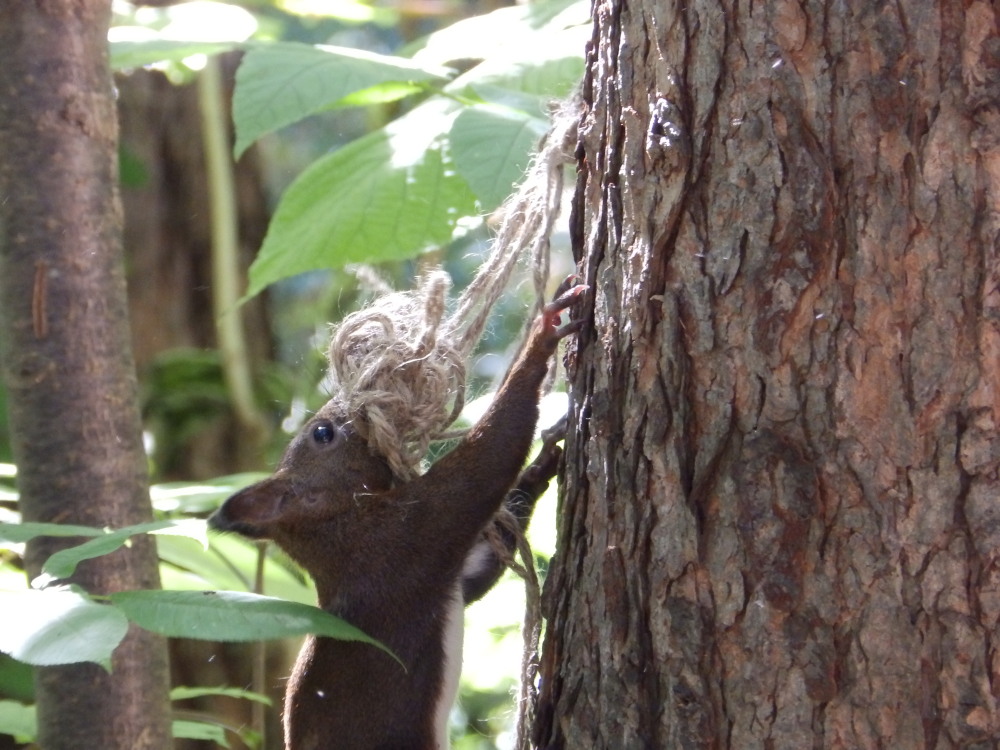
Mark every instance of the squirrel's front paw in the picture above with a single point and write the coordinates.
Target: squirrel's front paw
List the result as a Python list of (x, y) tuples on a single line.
[(568, 293)]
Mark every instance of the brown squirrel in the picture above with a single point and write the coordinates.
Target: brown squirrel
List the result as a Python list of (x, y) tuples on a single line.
[(398, 560)]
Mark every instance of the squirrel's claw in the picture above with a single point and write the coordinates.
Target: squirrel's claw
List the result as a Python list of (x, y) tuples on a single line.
[(566, 296)]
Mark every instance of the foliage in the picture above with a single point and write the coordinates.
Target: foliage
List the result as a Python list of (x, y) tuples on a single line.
[(428, 176), (472, 102), (57, 624)]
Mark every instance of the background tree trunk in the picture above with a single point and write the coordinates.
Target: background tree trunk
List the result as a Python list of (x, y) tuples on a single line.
[(67, 362), (781, 524), (168, 249)]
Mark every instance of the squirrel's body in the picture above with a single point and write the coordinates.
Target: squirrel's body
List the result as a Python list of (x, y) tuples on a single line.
[(394, 559)]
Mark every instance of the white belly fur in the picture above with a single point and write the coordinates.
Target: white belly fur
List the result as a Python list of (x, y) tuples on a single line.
[(454, 631)]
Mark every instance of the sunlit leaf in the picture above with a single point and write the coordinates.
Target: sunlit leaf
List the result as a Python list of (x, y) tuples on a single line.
[(23, 532), (524, 26), (547, 72), (230, 616), (386, 196), (18, 720), (199, 730), (390, 91), (491, 147), (188, 497), (227, 564), (59, 627), (278, 84), (63, 563)]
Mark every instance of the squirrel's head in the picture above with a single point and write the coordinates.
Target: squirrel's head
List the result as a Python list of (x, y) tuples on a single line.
[(323, 481)]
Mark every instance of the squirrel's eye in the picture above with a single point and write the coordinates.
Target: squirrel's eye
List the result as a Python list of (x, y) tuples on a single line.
[(324, 433)]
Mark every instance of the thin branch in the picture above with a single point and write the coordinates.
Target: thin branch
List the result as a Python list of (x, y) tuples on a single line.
[(226, 272)]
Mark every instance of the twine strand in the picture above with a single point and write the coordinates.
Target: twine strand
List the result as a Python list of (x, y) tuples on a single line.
[(399, 365)]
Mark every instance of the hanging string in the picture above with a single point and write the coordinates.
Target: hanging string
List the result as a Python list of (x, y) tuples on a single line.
[(399, 365)]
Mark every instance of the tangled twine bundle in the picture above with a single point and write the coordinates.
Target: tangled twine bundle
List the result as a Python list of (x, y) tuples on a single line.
[(391, 364), (399, 365)]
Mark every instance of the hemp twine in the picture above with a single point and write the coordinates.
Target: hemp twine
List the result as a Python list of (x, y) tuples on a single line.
[(399, 365), (531, 632)]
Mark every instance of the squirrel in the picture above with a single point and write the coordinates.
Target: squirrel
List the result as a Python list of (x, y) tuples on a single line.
[(399, 560)]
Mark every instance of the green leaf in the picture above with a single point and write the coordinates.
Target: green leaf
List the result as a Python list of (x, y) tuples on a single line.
[(23, 532), (220, 566), (231, 616), (131, 54), (182, 693), (524, 26), (18, 720), (58, 626), (384, 93), (491, 147), (209, 568), (185, 497), (542, 67), (16, 680), (386, 196), (199, 730), (280, 83), (63, 563), (548, 75)]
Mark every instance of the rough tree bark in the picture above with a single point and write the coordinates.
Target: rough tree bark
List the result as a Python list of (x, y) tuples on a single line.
[(781, 521), (66, 359)]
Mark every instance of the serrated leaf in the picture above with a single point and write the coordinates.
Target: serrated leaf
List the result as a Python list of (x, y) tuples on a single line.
[(182, 693), (280, 83), (231, 616), (386, 196), (63, 563), (491, 147), (59, 627), (189, 528)]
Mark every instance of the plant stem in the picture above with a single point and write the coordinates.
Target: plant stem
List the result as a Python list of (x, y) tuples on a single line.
[(226, 271), (258, 679), (226, 275)]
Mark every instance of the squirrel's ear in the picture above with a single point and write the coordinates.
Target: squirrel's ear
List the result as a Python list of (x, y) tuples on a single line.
[(252, 510)]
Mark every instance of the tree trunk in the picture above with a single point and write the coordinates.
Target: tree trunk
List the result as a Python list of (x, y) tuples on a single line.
[(67, 362), (168, 250), (780, 525)]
